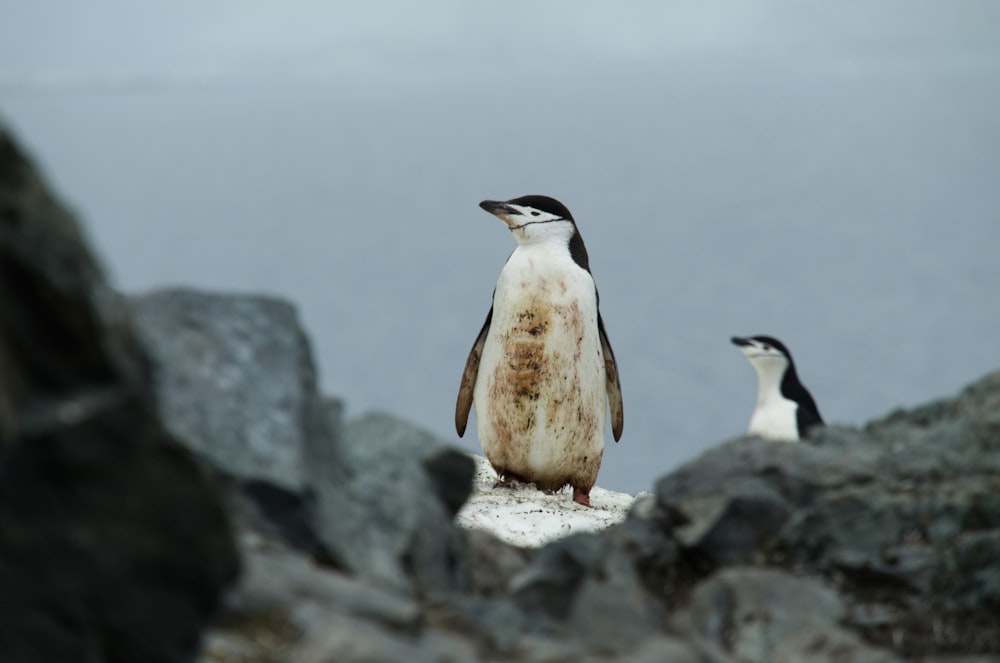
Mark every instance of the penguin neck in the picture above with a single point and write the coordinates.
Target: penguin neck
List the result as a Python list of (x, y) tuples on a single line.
[(775, 416), (545, 251), (769, 380), (551, 233)]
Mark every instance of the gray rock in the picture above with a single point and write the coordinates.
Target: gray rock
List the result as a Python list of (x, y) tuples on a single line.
[(492, 563), (647, 538), (376, 498), (277, 578), (323, 454), (733, 527), (674, 649), (829, 645), (730, 505), (389, 515), (588, 587), (284, 602), (67, 350), (235, 379), (498, 624), (114, 545), (748, 612), (346, 640)]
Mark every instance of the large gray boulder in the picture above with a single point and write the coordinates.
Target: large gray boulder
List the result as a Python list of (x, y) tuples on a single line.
[(235, 379), (114, 545)]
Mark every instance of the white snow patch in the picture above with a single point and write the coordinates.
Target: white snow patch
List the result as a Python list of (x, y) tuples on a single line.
[(527, 517)]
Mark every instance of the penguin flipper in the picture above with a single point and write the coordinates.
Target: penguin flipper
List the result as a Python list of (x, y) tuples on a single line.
[(807, 415), (614, 385), (468, 386)]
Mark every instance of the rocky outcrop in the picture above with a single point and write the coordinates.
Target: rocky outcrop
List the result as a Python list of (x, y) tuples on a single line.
[(235, 383), (857, 545), (747, 553), (878, 544), (235, 380), (374, 497), (903, 518), (114, 545)]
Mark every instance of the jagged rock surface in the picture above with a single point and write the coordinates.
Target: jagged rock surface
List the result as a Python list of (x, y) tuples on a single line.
[(235, 380)]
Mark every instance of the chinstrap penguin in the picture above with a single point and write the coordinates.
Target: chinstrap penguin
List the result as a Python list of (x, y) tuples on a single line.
[(785, 408), (541, 372)]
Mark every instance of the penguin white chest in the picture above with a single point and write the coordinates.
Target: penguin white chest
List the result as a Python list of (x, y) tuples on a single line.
[(540, 395), (775, 418)]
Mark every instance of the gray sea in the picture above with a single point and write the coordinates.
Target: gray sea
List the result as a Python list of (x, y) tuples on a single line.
[(827, 173)]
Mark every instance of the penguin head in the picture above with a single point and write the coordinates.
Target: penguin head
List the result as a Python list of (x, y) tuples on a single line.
[(768, 355), (534, 218), (541, 219)]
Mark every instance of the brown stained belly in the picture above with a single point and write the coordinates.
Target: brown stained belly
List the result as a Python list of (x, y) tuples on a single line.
[(530, 367)]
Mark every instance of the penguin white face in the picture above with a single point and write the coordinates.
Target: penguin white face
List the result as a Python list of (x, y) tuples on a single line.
[(766, 354), (533, 218)]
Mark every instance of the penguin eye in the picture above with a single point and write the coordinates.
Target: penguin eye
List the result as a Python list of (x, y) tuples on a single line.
[(767, 348), (535, 213)]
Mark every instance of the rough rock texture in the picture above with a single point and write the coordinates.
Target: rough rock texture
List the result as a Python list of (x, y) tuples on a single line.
[(235, 379), (113, 542), (390, 517), (762, 614)]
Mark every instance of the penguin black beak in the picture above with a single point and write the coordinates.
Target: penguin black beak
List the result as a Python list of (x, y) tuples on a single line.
[(497, 207), (741, 342), (501, 210)]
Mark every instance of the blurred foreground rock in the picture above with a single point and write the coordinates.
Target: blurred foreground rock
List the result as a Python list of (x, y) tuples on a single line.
[(114, 545), (876, 545)]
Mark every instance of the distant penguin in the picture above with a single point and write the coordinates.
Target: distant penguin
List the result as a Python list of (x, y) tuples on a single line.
[(542, 372), (785, 408)]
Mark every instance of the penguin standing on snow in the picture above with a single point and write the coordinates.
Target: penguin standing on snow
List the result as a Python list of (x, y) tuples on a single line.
[(542, 372), (785, 408)]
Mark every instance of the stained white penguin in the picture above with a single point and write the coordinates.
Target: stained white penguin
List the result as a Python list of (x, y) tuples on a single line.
[(542, 372), (785, 408)]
